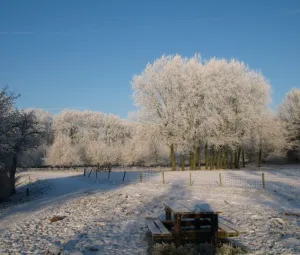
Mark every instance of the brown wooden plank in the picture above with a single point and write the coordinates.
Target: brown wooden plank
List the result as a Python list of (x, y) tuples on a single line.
[(152, 227), (177, 208), (161, 227), (227, 229), (195, 208), (231, 225), (223, 234)]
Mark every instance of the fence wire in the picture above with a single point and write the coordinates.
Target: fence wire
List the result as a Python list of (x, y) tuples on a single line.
[(197, 179)]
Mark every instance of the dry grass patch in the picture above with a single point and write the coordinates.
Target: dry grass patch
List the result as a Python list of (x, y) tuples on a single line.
[(191, 249), (56, 218)]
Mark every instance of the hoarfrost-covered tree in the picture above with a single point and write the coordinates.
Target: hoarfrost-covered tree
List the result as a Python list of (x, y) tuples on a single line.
[(157, 94), (91, 138), (265, 137), (243, 95), (213, 103), (289, 113), (36, 156)]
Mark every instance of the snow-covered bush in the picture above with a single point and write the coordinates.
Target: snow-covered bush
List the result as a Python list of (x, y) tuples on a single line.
[(289, 113)]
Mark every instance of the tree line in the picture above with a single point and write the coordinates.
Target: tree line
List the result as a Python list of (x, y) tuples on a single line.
[(199, 114)]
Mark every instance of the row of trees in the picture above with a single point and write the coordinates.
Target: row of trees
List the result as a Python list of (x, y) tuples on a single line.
[(218, 105), (213, 113)]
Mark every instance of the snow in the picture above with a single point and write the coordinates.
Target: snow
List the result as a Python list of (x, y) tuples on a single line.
[(106, 216)]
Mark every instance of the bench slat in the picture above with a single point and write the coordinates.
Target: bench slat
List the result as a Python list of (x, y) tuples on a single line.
[(177, 208), (162, 228), (227, 229), (230, 225), (200, 206), (153, 228), (157, 228)]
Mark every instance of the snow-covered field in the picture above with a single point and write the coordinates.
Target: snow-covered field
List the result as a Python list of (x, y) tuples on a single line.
[(106, 216)]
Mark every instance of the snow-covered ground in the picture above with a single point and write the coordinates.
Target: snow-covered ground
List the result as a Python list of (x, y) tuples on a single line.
[(106, 216)]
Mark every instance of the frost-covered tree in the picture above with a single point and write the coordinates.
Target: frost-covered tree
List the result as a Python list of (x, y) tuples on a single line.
[(92, 137), (25, 134), (147, 147), (157, 94), (213, 103), (242, 95), (36, 156), (289, 113), (265, 137), (20, 132)]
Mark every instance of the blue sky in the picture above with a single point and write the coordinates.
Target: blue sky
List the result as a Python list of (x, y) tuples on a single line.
[(83, 54)]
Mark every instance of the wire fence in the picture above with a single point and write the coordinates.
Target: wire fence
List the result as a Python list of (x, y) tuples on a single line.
[(198, 179)]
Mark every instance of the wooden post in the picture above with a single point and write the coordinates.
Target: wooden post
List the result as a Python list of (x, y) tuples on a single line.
[(141, 177), (214, 228), (168, 214), (263, 180), (98, 167), (177, 229), (163, 177), (109, 174), (83, 171), (190, 179), (124, 176), (220, 176)]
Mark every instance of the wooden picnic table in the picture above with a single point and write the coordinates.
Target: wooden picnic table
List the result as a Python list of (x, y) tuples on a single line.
[(202, 216)]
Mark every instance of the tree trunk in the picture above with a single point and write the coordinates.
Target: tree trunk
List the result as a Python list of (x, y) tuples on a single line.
[(225, 155), (236, 158), (220, 157), (12, 174), (191, 160), (243, 158), (259, 157), (239, 158), (182, 162), (199, 158), (212, 159), (195, 154), (173, 160), (231, 158), (206, 156)]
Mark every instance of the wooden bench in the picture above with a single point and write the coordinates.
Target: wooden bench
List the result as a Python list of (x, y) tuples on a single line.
[(161, 230), (158, 230)]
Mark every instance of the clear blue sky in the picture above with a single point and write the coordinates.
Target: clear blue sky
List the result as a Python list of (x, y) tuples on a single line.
[(83, 54)]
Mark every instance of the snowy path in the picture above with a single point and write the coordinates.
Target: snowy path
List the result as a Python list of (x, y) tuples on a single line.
[(107, 217)]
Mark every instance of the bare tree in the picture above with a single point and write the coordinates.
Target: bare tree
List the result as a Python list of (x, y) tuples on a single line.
[(24, 134)]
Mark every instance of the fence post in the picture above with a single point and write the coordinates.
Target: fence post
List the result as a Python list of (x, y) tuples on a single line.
[(108, 174), (83, 171), (220, 176), (124, 176), (163, 177), (97, 170), (141, 177), (190, 179), (263, 180)]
